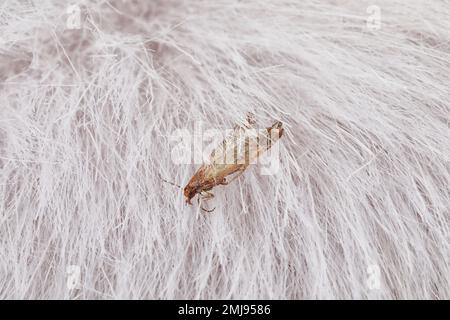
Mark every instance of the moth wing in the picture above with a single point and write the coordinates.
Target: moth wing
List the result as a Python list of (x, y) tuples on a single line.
[(245, 144), (231, 147), (259, 142)]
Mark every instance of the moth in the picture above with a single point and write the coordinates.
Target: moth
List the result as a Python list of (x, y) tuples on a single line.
[(231, 158)]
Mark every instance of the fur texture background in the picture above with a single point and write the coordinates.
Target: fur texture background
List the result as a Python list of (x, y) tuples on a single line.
[(360, 205)]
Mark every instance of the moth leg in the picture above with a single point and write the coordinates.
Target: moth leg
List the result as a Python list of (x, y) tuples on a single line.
[(205, 196), (209, 211)]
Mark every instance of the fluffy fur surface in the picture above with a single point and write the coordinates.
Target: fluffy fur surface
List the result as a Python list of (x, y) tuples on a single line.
[(358, 209)]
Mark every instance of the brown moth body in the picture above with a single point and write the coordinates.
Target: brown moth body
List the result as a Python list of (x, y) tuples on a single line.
[(236, 147)]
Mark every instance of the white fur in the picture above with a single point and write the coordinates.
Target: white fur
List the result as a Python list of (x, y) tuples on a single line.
[(87, 114)]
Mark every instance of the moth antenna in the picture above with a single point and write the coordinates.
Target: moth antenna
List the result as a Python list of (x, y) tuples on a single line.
[(174, 184)]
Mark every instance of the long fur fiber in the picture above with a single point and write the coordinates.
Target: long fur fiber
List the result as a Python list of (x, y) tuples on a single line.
[(86, 121)]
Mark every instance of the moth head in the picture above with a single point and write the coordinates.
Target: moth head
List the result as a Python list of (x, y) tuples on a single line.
[(189, 192)]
